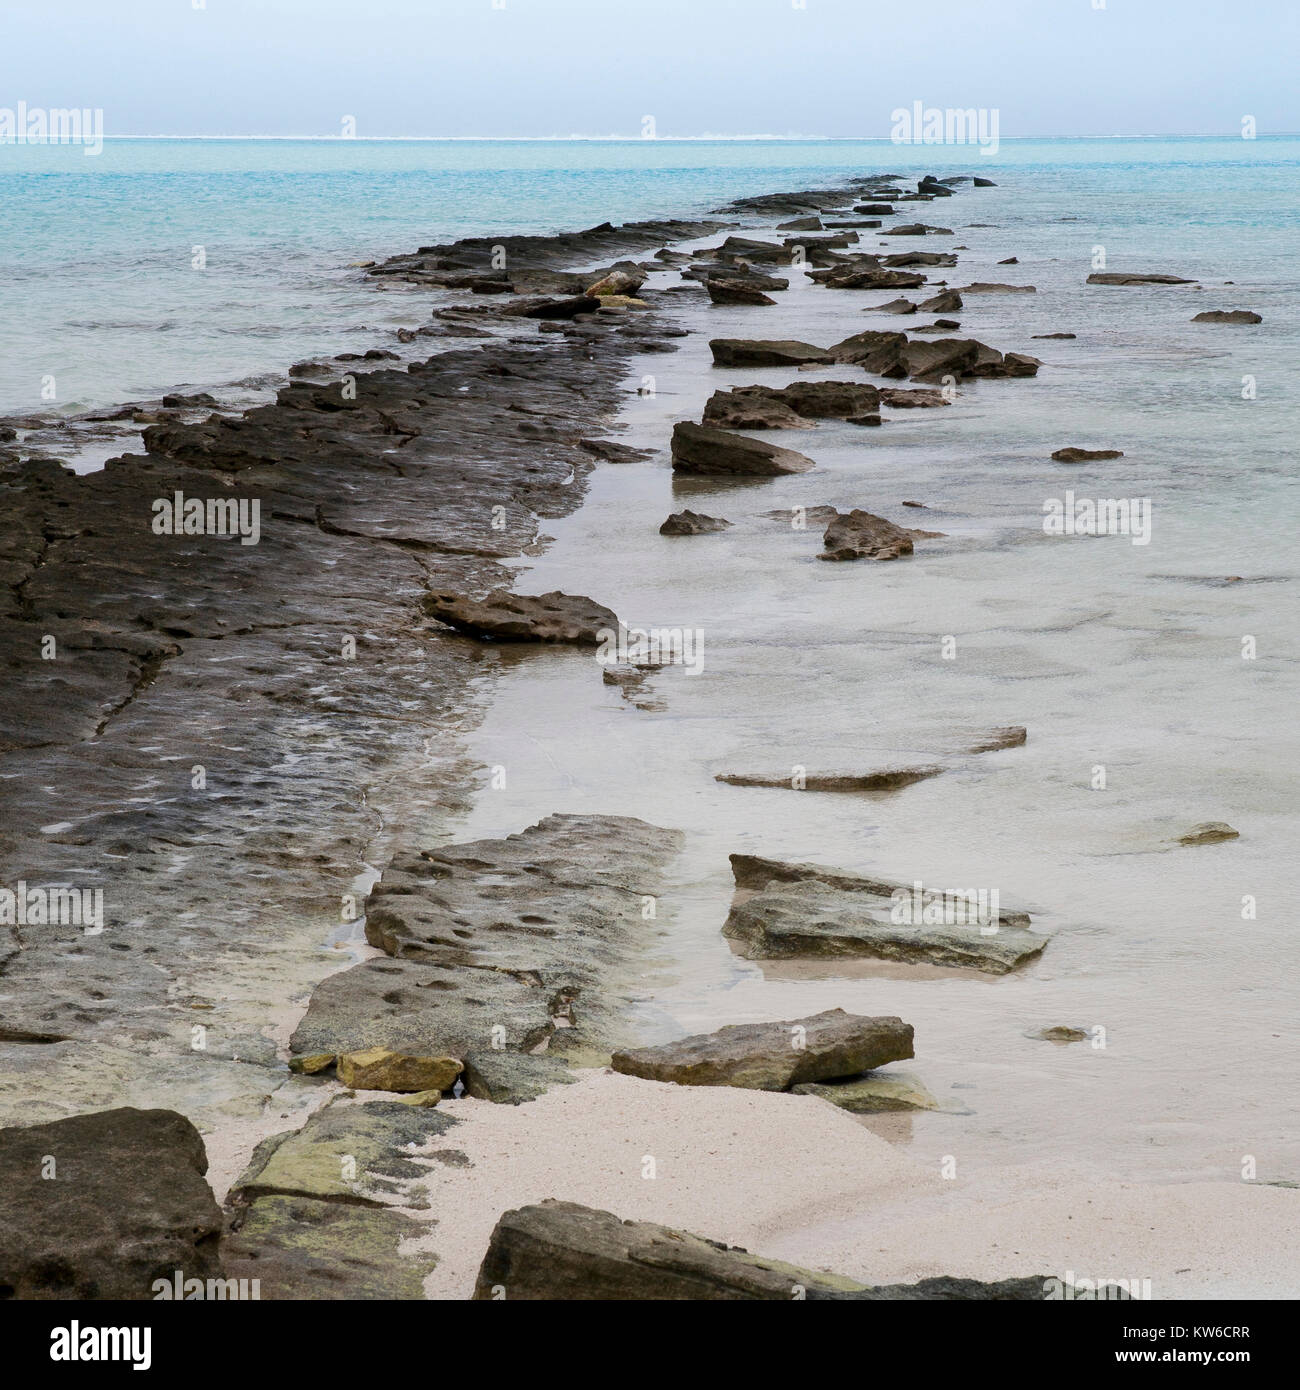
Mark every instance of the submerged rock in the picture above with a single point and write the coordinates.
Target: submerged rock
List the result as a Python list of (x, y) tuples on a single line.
[(801, 910), (99, 1206), (886, 779), (918, 229), (1059, 1034), (689, 523), (1228, 316), (1012, 736), (703, 450), (989, 287), (1209, 833), (879, 1093), (773, 1056), (559, 1250), (505, 617), (903, 398), (858, 535), (1073, 455)]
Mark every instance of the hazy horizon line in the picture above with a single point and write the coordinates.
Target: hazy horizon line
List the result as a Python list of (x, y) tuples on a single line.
[(681, 139)]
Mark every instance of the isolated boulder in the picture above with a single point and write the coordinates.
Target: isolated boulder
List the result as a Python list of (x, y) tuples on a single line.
[(1213, 832), (690, 523), (1115, 277), (704, 450), (1228, 316), (859, 535), (773, 1056), (1073, 455)]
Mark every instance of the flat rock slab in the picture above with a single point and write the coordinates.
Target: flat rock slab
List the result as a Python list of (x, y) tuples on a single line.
[(700, 449), (502, 617), (305, 1249), (1228, 316), (774, 1056), (559, 1250), (516, 945), (885, 779), (797, 911), (354, 1154), (99, 1206), (1115, 277), (765, 352)]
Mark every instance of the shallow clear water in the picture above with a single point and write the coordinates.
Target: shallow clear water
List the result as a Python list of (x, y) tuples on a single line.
[(1123, 656), (97, 288), (1115, 655)]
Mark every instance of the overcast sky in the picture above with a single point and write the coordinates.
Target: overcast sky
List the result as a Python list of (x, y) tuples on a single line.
[(597, 67)]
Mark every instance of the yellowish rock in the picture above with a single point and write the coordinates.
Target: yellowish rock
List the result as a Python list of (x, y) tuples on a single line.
[(310, 1065), (379, 1069), (622, 301), (421, 1098)]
